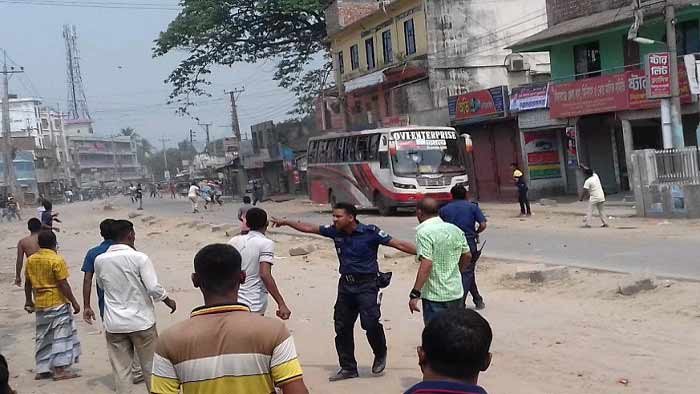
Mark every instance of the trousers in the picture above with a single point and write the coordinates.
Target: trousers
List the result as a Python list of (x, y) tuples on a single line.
[(122, 348), (357, 299), (600, 207), (431, 309), (524, 202), (469, 276)]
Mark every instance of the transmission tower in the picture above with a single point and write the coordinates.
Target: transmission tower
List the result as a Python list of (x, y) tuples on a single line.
[(77, 102)]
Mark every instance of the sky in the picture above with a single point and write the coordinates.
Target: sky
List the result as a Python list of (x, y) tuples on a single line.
[(123, 83)]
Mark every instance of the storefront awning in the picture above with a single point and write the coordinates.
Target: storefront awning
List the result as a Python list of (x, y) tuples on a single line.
[(364, 81)]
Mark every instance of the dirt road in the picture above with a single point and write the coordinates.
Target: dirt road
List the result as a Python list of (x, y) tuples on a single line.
[(569, 336)]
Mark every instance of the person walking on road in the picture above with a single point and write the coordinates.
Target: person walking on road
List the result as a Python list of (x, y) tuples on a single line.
[(257, 193), (520, 183), (471, 220), (26, 247), (454, 350), (173, 191), (223, 348), (130, 286), (258, 253), (242, 211), (89, 272), (443, 253), (358, 289), (57, 343), (13, 208), (48, 217), (193, 195), (594, 189)]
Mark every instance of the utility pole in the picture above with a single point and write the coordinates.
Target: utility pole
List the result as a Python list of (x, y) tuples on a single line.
[(165, 154), (235, 126), (676, 121), (206, 130), (10, 178)]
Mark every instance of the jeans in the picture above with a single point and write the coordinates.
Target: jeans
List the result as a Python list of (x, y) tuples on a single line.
[(432, 309), (524, 202), (469, 276), (124, 348), (357, 299)]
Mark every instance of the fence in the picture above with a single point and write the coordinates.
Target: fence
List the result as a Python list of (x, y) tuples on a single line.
[(675, 166)]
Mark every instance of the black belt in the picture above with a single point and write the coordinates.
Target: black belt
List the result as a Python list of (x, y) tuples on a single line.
[(358, 278)]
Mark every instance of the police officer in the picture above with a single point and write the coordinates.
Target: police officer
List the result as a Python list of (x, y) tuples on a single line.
[(465, 215), (358, 290)]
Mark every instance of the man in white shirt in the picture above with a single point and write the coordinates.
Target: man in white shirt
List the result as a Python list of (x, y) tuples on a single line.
[(257, 253), (193, 194), (130, 286), (594, 189)]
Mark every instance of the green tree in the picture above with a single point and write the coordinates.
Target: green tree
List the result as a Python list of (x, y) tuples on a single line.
[(127, 131), (144, 148), (224, 32)]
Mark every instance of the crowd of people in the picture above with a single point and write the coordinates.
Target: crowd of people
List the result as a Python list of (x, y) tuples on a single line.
[(228, 345)]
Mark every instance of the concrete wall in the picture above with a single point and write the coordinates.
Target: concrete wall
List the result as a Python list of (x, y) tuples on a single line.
[(467, 40), (562, 10), (341, 13)]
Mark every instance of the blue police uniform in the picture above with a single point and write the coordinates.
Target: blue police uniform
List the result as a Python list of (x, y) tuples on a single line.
[(465, 215), (357, 290)]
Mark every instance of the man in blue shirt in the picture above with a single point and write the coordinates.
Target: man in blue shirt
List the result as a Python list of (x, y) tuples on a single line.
[(358, 289), (465, 215), (454, 350), (89, 270)]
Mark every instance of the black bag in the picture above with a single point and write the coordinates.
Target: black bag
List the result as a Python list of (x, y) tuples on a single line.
[(384, 279)]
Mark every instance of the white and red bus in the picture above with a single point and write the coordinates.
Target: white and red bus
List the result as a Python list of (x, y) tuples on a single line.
[(386, 168)]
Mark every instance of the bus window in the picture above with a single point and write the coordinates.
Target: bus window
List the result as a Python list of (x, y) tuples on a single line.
[(373, 147), (384, 160), (362, 148), (331, 152), (313, 149), (350, 148)]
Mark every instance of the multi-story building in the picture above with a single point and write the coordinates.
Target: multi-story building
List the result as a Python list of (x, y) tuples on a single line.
[(399, 61), (598, 111), (99, 160)]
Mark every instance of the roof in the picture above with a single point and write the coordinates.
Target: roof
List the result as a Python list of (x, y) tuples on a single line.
[(394, 4), (575, 28)]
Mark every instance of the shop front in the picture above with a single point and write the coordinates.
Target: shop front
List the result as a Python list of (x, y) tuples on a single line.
[(494, 133)]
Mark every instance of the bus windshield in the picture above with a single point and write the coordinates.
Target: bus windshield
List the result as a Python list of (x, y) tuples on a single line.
[(426, 153)]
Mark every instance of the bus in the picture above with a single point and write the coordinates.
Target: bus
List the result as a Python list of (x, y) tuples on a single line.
[(386, 168)]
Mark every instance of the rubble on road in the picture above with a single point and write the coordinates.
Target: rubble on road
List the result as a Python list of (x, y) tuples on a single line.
[(134, 215), (540, 273), (635, 284), (302, 250), (215, 228), (146, 219), (108, 207)]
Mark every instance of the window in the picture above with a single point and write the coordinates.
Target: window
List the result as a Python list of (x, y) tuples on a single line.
[(587, 60), (373, 147), (350, 149), (362, 151), (688, 37), (384, 160), (387, 48), (44, 124), (354, 57), (409, 33), (341, 63), (369, 51)]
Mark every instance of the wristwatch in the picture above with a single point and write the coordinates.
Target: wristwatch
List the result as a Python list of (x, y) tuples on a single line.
[(415, 294)]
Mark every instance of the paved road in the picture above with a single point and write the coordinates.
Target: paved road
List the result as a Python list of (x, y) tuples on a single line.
[(609, 249)]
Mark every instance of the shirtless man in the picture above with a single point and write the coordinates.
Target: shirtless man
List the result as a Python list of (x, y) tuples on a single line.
[(26, 247)]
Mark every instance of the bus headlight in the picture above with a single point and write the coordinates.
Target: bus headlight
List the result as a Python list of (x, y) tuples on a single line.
[(403, 186)]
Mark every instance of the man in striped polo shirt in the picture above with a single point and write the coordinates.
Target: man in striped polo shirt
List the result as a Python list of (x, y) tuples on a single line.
[(443, 253), (224, 348)]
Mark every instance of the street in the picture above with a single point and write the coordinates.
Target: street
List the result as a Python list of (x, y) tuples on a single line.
[(567, 336), (667, 249)]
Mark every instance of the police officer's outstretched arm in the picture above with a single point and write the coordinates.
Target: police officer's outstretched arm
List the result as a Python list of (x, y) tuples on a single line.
[(297, 225), (404, 246)]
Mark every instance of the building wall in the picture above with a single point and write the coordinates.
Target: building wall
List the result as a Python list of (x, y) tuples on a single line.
[(393, 20), (562, 10), (341, 13), (467, 40)]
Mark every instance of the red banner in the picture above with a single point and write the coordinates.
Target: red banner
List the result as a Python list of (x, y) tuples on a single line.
[(588, 96), (481, 104), (609, 93)]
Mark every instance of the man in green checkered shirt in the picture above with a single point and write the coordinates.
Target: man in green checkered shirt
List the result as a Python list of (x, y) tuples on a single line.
[(444, 254)]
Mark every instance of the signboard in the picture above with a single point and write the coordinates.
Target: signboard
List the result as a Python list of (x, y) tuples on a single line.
[(571, 150), (542, 154), (477, 106), (539, 118), (529, 97), (424, 140), (588, 96), (609, 93), (658, 71)]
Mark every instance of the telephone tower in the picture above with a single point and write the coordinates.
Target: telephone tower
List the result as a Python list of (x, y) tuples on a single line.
[(77, 102)]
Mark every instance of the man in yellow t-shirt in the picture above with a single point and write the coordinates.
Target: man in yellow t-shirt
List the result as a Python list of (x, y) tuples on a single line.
[(49, 294)]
